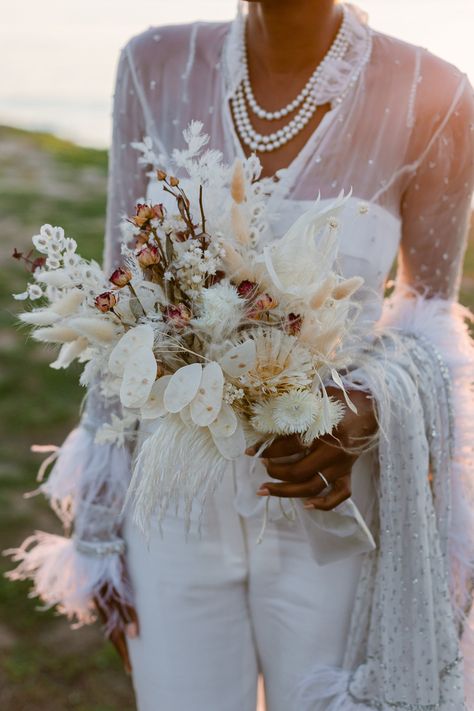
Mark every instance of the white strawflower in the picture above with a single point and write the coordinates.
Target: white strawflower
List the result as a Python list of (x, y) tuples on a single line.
[(295, 411), (262, 418), (328, 416), (220, 310)]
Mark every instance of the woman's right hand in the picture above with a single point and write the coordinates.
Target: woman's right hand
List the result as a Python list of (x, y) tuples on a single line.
[(119, 619)]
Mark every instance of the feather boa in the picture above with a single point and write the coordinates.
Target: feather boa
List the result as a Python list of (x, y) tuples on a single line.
[(68, 579)]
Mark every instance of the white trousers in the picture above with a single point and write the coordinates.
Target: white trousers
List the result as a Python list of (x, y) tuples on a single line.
[(218, 609)]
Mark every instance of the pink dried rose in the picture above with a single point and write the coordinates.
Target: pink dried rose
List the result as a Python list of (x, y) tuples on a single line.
[(145, 213), (106, 301), (121, 276), (148, 255), (179, 315), (246, 288), (262, 304)]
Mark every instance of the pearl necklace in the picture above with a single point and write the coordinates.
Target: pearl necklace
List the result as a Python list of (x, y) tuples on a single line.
[(306, 100)]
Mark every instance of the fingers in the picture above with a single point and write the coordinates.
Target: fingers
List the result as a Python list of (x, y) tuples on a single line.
[(117, 638), (341, 491), (321, 458), (281, 447), (312, 487)]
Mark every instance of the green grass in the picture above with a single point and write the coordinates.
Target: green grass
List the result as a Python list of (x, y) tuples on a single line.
[(43, 665)]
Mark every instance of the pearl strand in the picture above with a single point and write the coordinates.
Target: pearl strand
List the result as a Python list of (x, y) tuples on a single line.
[(335, 52), (306, 100)]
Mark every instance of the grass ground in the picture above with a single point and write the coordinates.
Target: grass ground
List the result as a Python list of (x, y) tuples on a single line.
[(43, 665)]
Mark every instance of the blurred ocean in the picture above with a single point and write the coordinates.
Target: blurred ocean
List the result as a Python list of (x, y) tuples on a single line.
[(58, 59)]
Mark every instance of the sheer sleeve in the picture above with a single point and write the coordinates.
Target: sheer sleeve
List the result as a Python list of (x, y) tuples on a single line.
[(88, 481), (436, 210), (126, 178), (436, 205)]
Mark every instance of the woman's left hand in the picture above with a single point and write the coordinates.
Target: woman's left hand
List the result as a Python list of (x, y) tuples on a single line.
[(300, 479)]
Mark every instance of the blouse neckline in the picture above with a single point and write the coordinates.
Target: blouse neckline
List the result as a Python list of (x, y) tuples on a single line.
[(340, 77)]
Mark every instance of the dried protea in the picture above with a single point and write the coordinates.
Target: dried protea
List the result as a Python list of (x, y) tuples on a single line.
[(121, 276)]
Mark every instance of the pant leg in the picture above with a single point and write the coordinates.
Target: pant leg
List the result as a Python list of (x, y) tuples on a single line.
[(195, 650), (301, 612)]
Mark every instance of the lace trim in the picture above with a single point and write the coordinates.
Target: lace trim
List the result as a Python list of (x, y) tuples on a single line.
[(339, 76)]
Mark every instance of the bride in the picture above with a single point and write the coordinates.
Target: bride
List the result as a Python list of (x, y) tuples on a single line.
[(363, 601)]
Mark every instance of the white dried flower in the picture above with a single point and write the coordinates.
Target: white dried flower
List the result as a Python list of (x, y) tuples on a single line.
[(281, 363), (295, 411), (232, 393), (220, 310), (262, 417)]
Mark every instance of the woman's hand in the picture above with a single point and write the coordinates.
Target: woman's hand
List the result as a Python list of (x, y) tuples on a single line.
[(110, 607), (326, 455)]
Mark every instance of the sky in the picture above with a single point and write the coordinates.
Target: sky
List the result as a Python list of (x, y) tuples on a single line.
[(58, 57)]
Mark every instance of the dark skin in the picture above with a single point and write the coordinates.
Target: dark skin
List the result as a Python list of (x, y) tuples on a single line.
[(285, 41)]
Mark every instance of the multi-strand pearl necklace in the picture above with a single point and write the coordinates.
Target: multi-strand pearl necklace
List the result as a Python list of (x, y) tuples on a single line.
[(306, 102)]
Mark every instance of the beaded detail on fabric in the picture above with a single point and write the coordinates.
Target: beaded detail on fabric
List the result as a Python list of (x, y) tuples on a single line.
[(100, 548)]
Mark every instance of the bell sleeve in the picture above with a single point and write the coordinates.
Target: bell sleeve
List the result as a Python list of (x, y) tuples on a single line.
[(89, 477)]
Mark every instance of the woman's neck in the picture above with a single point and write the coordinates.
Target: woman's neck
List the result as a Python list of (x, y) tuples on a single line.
[(287, 37)]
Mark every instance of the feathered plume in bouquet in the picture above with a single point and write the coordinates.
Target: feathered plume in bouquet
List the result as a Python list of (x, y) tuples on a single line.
[(214, 336)]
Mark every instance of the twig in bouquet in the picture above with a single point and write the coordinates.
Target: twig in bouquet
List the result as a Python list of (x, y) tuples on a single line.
[(201, 207), (181, 348), (134, 293)]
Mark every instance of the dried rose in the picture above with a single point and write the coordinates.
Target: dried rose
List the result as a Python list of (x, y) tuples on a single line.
[(246, 288), (174, 182), (121, 277), (261, 305), (148, 255), (142, 238), (106, 301), (161, 175), (37, 263), (293, 324), (145, 213), (179, 315)]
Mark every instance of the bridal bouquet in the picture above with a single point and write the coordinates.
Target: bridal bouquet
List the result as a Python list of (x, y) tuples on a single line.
[(218, 338)]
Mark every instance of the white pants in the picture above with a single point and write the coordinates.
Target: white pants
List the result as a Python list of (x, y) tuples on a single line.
[(218, 609)]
